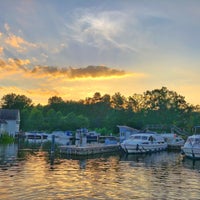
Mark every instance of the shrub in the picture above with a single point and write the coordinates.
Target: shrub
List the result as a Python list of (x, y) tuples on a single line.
[(5, 138)]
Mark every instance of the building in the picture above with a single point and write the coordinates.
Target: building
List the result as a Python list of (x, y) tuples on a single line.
[(9, 121), (125, 132)]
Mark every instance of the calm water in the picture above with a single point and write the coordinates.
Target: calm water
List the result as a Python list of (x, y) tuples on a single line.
[(30, 175)]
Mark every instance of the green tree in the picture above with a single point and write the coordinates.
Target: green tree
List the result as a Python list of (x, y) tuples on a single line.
[(73, 121), (55, 100), (24, 116), (135, 102), (106, 99), (118, 101), (97, 97), (166, 107), (14, 101), (35, 121), (51, 120)]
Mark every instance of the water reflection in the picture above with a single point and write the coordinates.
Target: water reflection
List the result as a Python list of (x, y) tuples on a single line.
[(33, 175), (8, 151), (191, 164)]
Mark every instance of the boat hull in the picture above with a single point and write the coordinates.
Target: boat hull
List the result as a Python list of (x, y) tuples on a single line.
[(190, 152), (143, 148), (191, 148)]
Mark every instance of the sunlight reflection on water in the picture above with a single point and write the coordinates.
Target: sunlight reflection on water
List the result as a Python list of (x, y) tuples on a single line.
[(157, 176)]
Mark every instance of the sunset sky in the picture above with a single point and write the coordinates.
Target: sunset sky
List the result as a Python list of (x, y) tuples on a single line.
[(74, 48)]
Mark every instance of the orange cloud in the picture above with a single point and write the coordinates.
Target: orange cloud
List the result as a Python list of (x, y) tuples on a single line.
[(2, 64), (18, 62), (96, 71), (71, 73), (23, 66), (14, 41), (1, 50), (18, 42), (13, 65), (41, 82)]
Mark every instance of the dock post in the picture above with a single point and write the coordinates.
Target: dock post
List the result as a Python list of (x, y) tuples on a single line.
[(52, 149), (53, 144)]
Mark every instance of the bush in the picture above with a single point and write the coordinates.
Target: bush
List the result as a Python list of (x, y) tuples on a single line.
[(5, 138)]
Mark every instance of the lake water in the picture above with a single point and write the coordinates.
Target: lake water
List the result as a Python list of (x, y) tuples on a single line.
[(26, 174)]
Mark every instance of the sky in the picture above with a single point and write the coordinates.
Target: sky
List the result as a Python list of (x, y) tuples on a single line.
[(74, 48)]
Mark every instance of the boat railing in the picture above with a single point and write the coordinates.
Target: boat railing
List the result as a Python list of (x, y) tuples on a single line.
[(180, 131)]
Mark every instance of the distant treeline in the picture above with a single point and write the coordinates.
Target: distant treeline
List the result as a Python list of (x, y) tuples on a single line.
[(103, 113)]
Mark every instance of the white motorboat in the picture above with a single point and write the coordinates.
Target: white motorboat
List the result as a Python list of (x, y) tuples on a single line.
[(191, 147), (91, 136), (173, 140), (36, 136), (61, 137), (144, 143)]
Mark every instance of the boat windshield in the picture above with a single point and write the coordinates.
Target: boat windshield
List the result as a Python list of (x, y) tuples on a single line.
[(197, 141), (138, 137), (194, 140)]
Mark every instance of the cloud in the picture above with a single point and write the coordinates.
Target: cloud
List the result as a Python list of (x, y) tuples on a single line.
[(7, 27), (19, 62), (18, 42), (95, 71), (23, 66), (15, 41), (1, 50), (41, 82), (71, 73), (100, 29), (1, 47), (14, 65)]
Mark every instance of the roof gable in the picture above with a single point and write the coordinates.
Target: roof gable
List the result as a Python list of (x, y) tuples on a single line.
[(2, 121), (9, 114)]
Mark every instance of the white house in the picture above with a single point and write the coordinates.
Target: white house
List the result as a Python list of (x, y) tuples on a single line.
[(9, 121)]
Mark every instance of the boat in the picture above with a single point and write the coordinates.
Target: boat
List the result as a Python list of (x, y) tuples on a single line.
[(144, 142), (62, 137), (191, 148), (91, 136), (36, 136), (174, 141), (108, 139)]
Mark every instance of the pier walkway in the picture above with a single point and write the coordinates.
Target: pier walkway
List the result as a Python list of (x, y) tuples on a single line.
[(89, 149)]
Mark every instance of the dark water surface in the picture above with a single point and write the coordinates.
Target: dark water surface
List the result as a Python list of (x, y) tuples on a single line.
[(30, 175)]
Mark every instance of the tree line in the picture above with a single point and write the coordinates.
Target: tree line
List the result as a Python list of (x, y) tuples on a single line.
[(104, 112)]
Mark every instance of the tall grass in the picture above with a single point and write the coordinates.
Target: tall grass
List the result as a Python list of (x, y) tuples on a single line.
[(5, 138)]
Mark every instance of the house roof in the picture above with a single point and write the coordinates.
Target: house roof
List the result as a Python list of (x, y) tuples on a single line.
[(2, 121), (127, 128), (9, 114)]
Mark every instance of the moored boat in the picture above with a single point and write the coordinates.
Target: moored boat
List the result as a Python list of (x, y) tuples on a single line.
[(61, 137), (35, 136), (90, 136), (191, 148), (174, 141), (144, 143)]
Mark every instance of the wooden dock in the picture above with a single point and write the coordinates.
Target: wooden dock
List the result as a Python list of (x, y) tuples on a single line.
[(89, 149)]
